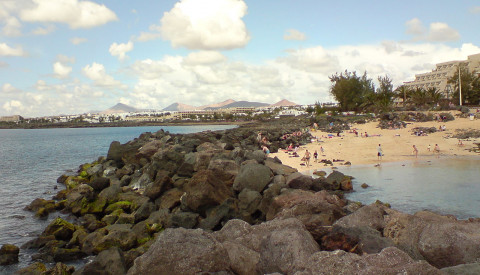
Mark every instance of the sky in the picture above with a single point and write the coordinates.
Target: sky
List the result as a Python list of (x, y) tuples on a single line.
[(75, 56)]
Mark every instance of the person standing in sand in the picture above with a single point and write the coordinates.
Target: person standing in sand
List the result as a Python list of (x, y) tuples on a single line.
[(415, 151), (429, 148), (379, 152), (436, 150), (307, 158)]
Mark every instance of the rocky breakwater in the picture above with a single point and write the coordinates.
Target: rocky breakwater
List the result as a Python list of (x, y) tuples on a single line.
[(212, 202)]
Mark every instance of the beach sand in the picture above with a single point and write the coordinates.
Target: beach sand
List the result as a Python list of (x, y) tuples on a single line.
[(396, 144)]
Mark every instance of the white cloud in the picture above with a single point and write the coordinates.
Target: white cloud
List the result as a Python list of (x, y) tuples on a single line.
[(150, 69), (437, 32), (61, 70), (206, 25), (12, 26), (204, 58), (6, 50), (442, 32), (120, 50), (13, 105), (77, 14), (8, 88), (78, 40), (44, 30), (415, 27), (292, 34), (315, 59), (97, 73)]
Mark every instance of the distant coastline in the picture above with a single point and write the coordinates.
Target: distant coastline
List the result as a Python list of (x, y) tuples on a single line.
[(114, 124)]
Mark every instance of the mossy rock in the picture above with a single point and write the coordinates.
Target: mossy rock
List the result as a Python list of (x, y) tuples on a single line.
[(84, 174), (42, 213), (60, 228), (35, 268), (144, 240), (95, 207), (74, 181), (123, 205)]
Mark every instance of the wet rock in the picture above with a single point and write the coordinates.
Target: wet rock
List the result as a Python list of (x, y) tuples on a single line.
[(108, 262), (60, 269), (33, 269), (299, 181), (61, 229), (9, 254)]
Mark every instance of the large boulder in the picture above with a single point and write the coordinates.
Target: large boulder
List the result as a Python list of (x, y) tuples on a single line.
[(340, 180), (122, 153), (182, 251), (390, 261), (204, 191), (313, 209), (283, 245), (372, 216), (279, 168), (441, 240), (253, 176)]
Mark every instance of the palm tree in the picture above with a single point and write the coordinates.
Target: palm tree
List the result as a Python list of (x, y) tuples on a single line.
[(401, 93), (434, 95)]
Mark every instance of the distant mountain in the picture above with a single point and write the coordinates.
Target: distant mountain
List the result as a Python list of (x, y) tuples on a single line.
[(217, 105), (239, 104), (179, 107), (284, 103), (119, 108)]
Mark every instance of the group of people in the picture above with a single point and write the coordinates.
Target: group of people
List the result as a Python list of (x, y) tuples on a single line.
[(436, 150)]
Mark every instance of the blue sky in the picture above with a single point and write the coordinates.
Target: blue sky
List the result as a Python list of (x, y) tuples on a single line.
[(74, 56)]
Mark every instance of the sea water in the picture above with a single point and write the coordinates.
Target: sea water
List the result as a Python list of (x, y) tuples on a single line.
[(32, 160), (448, 185)]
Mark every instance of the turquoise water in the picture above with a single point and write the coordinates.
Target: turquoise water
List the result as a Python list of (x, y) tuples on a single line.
[(32, 160), (446, 186)]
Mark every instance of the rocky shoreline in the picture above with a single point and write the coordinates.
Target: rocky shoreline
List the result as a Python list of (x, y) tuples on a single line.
[(212, 202)]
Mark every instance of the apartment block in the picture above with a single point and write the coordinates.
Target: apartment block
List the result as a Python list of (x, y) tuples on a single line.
[(438, 77)]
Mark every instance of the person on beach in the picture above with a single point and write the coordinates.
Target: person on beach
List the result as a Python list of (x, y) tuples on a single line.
[(415, 151), (379, 152), (315, 156), (436, 150), (307, 158), (321, 150), (266, 150), (429, 148)]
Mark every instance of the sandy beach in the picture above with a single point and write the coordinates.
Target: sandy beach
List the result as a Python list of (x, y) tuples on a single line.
[(397, 145)]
